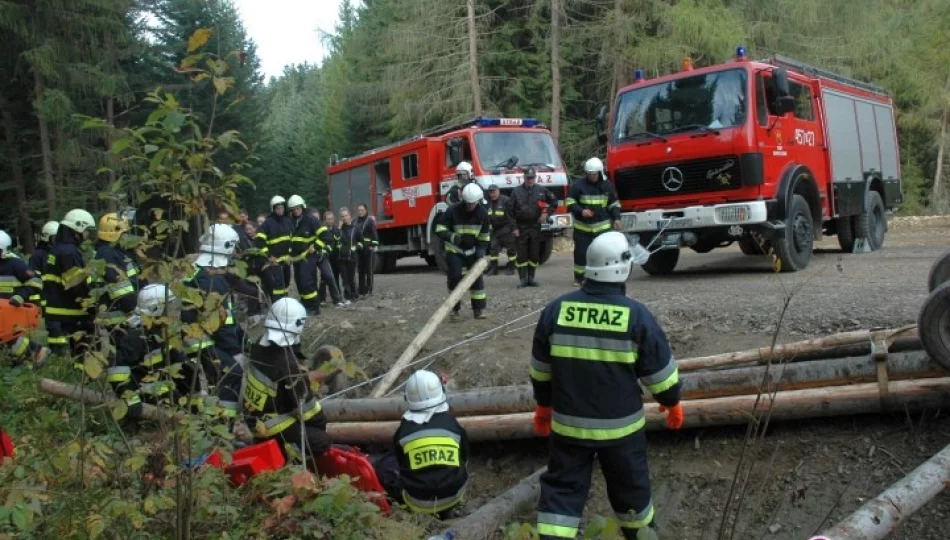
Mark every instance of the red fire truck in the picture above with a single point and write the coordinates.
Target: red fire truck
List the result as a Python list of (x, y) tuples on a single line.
[(404, 184), (770, 154)]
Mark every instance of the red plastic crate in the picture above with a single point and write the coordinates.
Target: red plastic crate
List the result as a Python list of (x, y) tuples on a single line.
[(249, 461), (338, 461), (7, 450)]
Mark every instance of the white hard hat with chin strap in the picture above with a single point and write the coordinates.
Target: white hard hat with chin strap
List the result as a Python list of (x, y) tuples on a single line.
[(595, 165), (217, 246), (295, 201), (5, 241), (284, 323), (48, 232), (472, 193), (275, 200), (425, 395), (609, 258)]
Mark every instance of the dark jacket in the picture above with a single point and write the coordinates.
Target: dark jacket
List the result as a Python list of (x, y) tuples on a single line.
[(66, 283), (591, 347), (523, 207), (116, 278), (17, 280), (38, 259), (497, 212), (278, 395), (228, 336), (433, 458), (366, 232), (308, 233), (600, 197), (348, 241), (333, 238), (464, 232), (274, 238)]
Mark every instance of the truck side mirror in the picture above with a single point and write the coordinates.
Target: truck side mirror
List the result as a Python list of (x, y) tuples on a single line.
[(784, 101), (601, 123), (455, 151)]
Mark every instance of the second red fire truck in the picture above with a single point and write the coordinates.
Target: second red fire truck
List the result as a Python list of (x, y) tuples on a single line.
[(404, 184), (772, 155)]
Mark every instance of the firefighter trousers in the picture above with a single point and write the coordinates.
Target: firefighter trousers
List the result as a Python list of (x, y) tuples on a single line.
[(317, 440), (70, 337), (348, 276), (275, 278), (331, 281), (366, 261), (305, 273), (224, 375), (458, 266), (582, 241), (503, 240), (529, 245), (565, 486)]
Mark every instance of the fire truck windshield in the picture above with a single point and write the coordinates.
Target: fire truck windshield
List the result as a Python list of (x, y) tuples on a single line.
[(497, 149), (707, 102)]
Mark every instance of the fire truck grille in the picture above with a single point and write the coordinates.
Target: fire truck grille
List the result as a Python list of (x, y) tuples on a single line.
[(676, 178)]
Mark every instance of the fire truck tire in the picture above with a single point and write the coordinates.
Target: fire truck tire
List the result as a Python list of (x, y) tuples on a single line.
[(844, 229), (795, 245), (939, 272), (872, 223), (933, 324), (662, 262), (547, 246)]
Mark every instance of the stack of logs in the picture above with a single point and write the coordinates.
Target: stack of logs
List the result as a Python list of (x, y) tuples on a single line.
[(842, 374)]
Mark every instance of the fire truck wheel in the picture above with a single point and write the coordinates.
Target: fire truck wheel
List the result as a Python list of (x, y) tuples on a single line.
[(939, 272), (844, 229), (795, 245), (547, 246), (872, 224), (933, 323), (662, 262)]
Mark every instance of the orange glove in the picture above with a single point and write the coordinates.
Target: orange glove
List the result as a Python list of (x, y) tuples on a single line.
[(674, 418), (542, 420)]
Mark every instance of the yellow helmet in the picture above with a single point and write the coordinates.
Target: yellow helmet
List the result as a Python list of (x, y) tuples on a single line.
[(111, 227)]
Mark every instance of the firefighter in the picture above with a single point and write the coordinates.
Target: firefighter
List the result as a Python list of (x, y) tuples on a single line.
[(431, 458), (528, 207), (593, 202), (43, 246), (273, 241), (333, 240), (466, 230), (116, 277), (277, 393), (348, 255), (66, 287), (591, 348), (221, 351), (309, 252), (463, 177), (366, 246), (19, 284), (501, 237)]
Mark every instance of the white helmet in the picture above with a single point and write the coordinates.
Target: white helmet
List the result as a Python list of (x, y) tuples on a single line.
[(594, 165), (48, 232), (275, 200), (153, 299), (217, 246), (472, 193), (284, 323), (79, 220), (609, 258), (424, 391), (5, 241), (463, 167), (295, 201)]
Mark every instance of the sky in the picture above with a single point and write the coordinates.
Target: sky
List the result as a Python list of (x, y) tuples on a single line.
[(286, 31)]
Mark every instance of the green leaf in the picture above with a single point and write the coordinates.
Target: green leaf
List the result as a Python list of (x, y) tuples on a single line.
[(119, 145), (19, 517), (221, 84), (119, 409), (198, 39), (150, 148), (95, 526), (92, 367)]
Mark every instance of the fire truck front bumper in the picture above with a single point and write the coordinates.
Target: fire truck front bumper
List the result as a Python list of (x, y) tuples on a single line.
[(696, 217), (558, 223)]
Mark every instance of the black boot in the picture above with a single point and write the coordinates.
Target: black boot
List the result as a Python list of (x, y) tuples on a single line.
[(492, 268), (531, 281), (523, 277), (510, 269)]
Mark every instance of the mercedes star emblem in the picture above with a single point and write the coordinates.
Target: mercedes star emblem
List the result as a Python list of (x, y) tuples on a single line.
[(672, 179)]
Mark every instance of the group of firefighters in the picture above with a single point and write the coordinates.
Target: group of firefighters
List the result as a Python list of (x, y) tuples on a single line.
[(592, 350)]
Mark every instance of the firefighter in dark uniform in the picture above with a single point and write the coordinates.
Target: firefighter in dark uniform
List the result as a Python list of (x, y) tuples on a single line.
[(66, 287), (19, 284), (366, 248), (115, 275), (43, 246), (333, 239), (309, 254), (431, 452), (273, 241), (593, 202), (463, 177), (528, 207), (347, 251), (501, 232), (277, 394), (466, 230), (591, 348), (220, 352)]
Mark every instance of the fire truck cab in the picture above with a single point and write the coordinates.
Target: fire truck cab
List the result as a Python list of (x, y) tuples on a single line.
[(770, 154), (404, 184)]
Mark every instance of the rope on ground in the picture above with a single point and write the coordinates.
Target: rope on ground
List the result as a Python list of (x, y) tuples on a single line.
[(431, 356)]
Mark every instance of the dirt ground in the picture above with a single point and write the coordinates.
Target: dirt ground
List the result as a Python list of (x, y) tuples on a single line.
[(805, 474)]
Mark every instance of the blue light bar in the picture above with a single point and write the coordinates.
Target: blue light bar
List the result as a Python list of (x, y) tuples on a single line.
[(519, 122), (638, 75), (741, 52)]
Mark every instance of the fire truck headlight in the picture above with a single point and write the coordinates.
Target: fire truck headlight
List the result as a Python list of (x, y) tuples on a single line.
[(732, 214), (562, 221), (628, 222)]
